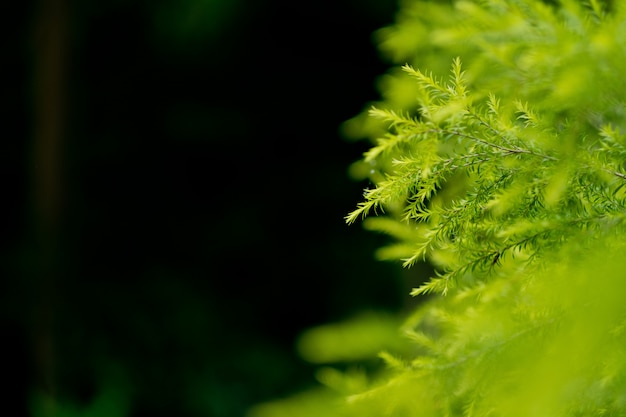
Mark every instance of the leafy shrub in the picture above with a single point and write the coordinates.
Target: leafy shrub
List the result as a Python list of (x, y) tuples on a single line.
[(498, 158)]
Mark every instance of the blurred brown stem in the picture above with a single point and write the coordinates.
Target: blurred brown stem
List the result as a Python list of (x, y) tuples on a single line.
[(49, 116)]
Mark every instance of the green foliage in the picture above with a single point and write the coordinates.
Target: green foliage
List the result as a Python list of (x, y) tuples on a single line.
[(113, 399), (191, 25), (498, 158)]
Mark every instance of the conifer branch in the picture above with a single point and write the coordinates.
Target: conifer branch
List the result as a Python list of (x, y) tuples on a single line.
[(488, 349), (506, 151), (509, 183)]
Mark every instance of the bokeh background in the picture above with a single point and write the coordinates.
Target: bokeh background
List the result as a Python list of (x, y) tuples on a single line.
[(174, 185)]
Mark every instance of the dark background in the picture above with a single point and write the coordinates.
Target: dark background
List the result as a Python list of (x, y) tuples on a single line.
[(174, 186)]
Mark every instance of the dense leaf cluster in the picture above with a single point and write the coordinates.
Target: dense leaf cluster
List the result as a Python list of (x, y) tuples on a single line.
[(521, 184), (498, 157)]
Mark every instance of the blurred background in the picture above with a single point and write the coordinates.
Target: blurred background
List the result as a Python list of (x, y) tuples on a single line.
[(174, 187)]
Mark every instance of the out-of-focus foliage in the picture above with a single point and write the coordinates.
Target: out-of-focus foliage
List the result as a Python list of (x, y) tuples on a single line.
[(497, 157), (361, 338), (113, 399), (159, 257), (183, 23)]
